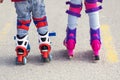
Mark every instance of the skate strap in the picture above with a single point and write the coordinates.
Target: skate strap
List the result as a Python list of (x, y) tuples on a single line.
[(95, 34), (52, 34), (44, 39), (22, 42), (71, 34)]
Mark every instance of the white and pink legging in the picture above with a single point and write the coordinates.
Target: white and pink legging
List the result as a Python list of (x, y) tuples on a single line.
[(92, 9)]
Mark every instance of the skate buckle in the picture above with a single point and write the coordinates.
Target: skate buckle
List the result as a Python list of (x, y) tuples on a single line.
[(52, 34)]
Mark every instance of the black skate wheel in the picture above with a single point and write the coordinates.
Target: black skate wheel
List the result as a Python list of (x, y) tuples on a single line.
[(50, 57), (17, 61), (70, 57), (96, 59), (46, 59), (41, 58)]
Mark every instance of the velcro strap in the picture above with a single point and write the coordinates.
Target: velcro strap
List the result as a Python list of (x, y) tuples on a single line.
[(41, 24), (93, 9), (23, 27)]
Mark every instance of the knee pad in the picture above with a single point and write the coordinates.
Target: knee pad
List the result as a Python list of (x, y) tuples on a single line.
[(74, 9), (23, 24), (92, 6), (40, 22)]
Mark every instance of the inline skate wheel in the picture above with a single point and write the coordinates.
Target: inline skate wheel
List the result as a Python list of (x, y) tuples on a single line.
[(46, 59), (50, 57), (23, 62), (42, 59), (17, 61), (70, 57), (96, 59)]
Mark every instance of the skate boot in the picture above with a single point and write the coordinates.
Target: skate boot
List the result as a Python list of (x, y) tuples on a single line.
[(70, 42), (95, 43), (22, 49), (45, 47)]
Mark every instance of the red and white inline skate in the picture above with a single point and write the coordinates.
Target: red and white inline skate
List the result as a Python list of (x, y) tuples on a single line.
[(45, 47), (22, 49)]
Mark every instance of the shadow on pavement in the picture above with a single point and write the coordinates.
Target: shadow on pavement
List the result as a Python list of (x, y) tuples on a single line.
[(61, 55)]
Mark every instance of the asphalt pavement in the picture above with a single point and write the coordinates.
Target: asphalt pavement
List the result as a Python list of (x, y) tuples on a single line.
[(81, 67)]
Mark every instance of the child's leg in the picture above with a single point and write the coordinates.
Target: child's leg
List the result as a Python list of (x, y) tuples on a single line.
[(23, 17), (92, 9), (40, 20), (73, 14), (23, 22)]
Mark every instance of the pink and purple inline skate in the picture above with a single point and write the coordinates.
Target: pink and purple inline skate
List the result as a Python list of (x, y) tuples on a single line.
[(70, 41), (95, 43)]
